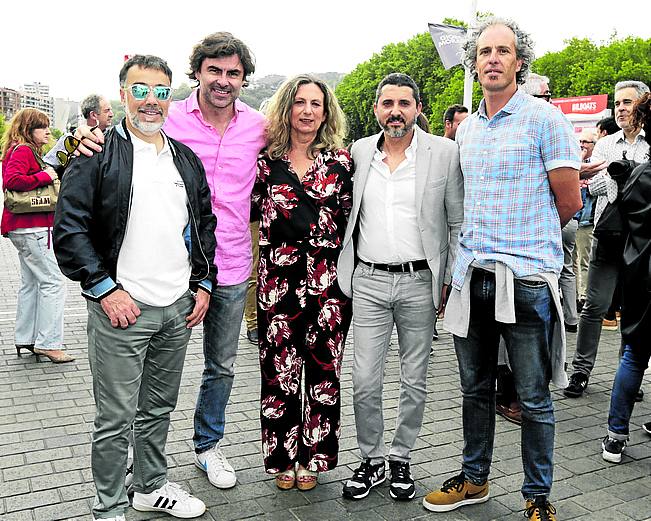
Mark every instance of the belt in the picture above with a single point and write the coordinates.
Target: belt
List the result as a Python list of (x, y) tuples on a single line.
[(406, 267)]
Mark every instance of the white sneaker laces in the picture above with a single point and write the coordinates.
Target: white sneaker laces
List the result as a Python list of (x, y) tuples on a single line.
[(174, 491), (215, 458)]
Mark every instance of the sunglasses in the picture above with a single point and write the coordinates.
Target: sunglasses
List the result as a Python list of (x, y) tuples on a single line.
[(546, 97), (585, 141), (70, 143), (140, 91)]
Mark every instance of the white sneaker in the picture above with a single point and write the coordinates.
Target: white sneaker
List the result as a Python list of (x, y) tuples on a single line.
[(117, 518), (213, 462), (170, 498), (128, 477)]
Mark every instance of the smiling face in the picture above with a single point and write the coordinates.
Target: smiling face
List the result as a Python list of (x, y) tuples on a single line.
[(497, 62), (396, 110), (308, 111), (220, 80), (145, 117), (624, 101)]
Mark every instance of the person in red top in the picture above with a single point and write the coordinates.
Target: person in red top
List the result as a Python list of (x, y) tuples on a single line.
[(39, 313)]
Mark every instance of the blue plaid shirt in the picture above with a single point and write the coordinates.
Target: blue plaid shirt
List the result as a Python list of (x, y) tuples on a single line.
[(509, 210)]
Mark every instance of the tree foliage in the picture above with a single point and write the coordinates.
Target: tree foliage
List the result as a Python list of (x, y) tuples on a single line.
[(581, 68)]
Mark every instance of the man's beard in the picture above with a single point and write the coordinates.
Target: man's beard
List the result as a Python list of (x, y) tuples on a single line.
[(397, 132), (145, 127)]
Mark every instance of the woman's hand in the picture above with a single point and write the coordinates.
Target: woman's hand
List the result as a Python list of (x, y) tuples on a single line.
[(51, 172)]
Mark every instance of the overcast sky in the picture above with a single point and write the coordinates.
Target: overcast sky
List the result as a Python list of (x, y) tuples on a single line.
[(80, 52)]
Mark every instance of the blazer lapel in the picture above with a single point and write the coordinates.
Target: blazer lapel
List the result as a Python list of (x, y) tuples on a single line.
[(423, 159), (362, 170)]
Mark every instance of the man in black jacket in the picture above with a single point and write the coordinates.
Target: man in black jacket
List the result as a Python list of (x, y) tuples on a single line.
[(134, 226)]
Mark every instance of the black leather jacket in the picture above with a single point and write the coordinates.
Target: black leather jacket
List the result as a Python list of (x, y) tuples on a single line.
[(93, 210)]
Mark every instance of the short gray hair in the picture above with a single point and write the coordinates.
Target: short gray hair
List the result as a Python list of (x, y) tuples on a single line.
[(90, 104), (145, 61), (533, 83), (640, 87), (523, 46)]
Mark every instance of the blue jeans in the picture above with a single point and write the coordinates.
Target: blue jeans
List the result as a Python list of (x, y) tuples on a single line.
[(39, 311), (627, 383), (528, 343), (221, 331)]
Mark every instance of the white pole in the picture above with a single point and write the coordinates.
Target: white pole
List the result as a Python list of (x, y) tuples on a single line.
[(468, 80)]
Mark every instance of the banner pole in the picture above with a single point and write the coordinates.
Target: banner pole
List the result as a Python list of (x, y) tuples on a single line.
[(468, 80)]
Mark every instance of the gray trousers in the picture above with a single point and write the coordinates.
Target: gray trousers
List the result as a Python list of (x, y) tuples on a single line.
[(380, 300), (567, 279), (602, 281), (136, 378)]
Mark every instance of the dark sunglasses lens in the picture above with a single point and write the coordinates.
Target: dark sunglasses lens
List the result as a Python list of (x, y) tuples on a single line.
[(139, 91), (162, 93)]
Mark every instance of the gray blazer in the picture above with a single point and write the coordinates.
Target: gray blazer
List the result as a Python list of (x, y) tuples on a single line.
[(439, 200)]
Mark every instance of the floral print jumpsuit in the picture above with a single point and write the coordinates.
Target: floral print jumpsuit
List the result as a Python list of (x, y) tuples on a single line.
[(303, 317)]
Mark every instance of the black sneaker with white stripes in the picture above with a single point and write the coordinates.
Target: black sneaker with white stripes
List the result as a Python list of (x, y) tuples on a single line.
[(171, 499), (365, 477), (402, 484)]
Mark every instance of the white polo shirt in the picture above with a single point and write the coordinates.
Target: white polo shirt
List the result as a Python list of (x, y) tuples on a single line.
[(154, 263), (388, 224)]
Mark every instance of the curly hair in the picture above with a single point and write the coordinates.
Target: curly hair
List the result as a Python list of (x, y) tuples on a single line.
[(20, 128), (330, 135), (220, 45), (641, 116), (523, 46)]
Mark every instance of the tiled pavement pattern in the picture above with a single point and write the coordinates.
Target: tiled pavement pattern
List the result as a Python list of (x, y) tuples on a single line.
[(46, 414)]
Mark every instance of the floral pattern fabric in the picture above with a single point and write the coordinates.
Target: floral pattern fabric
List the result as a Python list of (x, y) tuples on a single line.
[(303, 317)]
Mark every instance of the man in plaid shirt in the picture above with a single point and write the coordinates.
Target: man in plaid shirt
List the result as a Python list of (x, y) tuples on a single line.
[(520, 162)]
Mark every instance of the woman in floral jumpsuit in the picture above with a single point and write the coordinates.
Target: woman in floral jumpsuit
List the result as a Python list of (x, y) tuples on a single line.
[(304, 194)]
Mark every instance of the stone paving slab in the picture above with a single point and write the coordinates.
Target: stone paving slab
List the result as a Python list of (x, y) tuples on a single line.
[(46, 414)]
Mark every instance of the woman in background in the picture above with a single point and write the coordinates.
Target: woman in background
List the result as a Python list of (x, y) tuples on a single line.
[(39, 311)]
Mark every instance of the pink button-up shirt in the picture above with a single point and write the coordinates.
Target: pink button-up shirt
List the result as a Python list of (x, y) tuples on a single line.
[(230, 164)]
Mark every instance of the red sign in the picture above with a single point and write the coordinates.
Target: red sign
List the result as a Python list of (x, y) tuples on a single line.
[(582, 104)]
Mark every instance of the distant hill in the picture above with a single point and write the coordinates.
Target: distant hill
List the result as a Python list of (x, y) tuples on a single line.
[(260, 89)]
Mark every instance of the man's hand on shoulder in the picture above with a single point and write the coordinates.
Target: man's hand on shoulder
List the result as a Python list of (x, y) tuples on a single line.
[(92, 139), (120, 308), (202, 301)]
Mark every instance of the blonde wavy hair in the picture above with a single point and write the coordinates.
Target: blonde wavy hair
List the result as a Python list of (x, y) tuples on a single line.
[(330, 135), (20, 128)]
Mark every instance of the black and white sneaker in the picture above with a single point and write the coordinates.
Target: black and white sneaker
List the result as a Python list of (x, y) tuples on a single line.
[(171, 499), (612, 449), (402, 484), (365, 477), (577, 385)]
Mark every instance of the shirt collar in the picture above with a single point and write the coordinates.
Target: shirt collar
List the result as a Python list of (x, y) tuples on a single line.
[(410, 151), (513, 105), (192, 104), (139, 144), (619, 136)]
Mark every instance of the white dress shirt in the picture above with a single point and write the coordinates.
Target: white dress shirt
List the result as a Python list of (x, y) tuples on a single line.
[(388, 224)]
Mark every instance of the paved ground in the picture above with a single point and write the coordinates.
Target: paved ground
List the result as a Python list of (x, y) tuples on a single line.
[(46, 414)]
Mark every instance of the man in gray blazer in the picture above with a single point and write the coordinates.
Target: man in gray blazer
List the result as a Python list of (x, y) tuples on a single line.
[(396, 259)]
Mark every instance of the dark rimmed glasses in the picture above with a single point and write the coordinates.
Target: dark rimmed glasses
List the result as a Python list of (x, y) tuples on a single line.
[(70, 143), (140, 91), (585, 141)]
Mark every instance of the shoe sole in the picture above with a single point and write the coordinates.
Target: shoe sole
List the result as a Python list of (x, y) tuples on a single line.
[(222, 486), (348, 495), (447, 508), (181, 515), (572, 394), (402, 498), (646, 428)]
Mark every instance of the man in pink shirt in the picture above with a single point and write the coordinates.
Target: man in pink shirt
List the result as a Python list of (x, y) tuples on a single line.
[(227, 135)]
